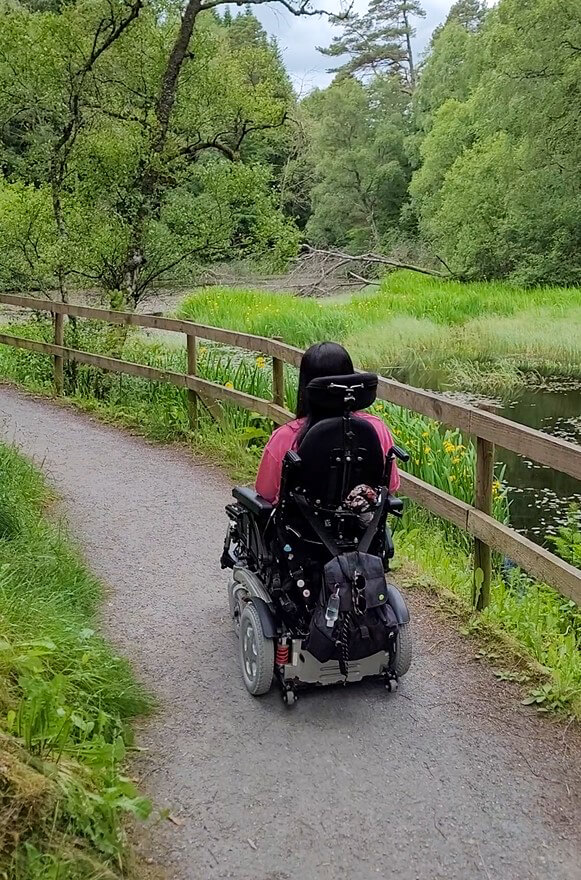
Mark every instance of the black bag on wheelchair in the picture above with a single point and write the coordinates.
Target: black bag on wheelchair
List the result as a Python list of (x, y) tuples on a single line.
[(352, 619)]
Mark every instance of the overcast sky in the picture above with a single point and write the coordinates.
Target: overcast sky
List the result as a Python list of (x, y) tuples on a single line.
[(299, 37)]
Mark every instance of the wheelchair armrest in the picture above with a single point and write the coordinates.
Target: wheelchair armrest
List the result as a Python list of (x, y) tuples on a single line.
[(399, 453), (252, 501), (395, 505)]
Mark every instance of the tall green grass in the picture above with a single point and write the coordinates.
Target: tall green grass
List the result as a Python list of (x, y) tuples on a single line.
[(474, 336), (299, 321), (545, 624), (65, 701)]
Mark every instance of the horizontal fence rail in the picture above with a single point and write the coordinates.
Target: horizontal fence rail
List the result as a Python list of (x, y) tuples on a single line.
[(490, 430)]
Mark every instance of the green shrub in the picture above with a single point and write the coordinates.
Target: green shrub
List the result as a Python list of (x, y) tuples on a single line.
[(567, 541)]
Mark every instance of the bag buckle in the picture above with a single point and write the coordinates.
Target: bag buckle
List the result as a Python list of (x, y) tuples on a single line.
[(358, 593)]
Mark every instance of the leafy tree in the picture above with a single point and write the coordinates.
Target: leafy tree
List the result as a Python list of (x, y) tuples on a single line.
[(149, 129), (361, 166), (451, 70), (499, 192), (47, 69), (380, 40), (469, 14)]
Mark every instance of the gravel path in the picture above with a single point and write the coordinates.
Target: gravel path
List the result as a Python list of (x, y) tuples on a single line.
[(449, 779)]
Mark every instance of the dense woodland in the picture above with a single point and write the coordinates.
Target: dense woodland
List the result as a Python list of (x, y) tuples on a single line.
[(141, 140)]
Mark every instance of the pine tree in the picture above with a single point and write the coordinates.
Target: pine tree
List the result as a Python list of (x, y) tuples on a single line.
[(246, 30), (469, 13), (380, 40)]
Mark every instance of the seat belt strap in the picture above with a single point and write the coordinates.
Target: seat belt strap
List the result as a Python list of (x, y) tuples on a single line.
[(316, 526), (370, 531)]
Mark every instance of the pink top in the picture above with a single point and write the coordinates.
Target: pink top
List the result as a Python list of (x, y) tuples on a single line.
[(285, 437)]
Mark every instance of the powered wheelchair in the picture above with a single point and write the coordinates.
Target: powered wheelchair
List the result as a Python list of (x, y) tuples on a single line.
[(308, 595)]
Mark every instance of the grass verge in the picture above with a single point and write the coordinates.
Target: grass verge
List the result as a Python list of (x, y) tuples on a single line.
[(65, 701), (540, 620)]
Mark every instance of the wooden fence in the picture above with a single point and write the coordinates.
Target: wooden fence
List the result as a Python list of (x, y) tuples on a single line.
[(489, 430)]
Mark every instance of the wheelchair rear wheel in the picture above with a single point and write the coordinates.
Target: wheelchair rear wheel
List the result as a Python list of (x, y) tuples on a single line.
[(403, 651), (237, 598), (256, 653)]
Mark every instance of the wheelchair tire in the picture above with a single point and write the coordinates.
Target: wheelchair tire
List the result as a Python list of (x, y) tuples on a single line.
[(256, 653), (237, 597), (403, 651)]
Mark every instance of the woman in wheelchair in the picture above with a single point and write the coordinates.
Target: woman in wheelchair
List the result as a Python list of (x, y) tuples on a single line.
[(310, 547), (325, 359)]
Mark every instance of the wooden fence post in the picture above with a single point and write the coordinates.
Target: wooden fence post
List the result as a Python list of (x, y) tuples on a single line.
[(278, 378), (59, 339), (483, 502), (192, 396)]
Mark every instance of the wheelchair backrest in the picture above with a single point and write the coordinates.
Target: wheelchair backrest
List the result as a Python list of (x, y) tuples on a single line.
[(340, 450)]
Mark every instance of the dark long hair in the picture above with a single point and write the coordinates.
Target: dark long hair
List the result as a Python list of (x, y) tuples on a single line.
[(321, 359)]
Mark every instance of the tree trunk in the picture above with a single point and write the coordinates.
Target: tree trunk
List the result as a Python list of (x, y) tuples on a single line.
[(172, 72), (410, 53), (148, 185)]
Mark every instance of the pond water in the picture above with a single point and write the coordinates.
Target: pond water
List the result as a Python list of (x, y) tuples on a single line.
[(540, 497)]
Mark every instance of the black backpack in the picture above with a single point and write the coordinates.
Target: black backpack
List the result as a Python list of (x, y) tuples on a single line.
[(366, 623)]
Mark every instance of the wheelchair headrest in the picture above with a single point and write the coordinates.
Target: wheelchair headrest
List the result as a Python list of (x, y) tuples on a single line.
[(334, 395)]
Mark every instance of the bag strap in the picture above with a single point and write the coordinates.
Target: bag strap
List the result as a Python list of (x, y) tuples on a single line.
[(369, 534), (327, 539), (316, 526)]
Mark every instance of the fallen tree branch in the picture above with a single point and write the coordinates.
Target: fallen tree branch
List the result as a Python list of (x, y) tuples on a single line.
[(373, 259), (361, 279)]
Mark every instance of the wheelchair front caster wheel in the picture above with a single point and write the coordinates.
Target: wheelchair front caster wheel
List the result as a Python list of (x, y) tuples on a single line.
[(289, 697)]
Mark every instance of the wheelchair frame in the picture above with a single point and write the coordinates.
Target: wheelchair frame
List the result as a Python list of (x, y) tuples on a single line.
[(253, 572)]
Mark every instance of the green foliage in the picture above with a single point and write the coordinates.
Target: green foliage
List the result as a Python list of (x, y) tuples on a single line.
[(29, 251), (473, 157), (478, 335), (65, 700), (451, 70), (298, 321), (498, 192), (545, 624), (89, 195), (360, 162), (567, 541)]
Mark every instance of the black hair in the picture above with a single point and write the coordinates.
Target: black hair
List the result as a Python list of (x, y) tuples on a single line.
[(321, 359)]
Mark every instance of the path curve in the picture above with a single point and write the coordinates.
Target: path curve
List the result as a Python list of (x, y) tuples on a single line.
[(449, 780)]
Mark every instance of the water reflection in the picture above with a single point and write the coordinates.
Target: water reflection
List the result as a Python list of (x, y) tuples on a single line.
[(540, 497)]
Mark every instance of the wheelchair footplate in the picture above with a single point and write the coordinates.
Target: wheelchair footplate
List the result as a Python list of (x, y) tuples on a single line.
[(296, 668)]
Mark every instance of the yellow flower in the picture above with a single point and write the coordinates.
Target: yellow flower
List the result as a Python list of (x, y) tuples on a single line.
[(260, 362), (455, 460), (427, 450), (452, 478), (426, 434), (229, 385)]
